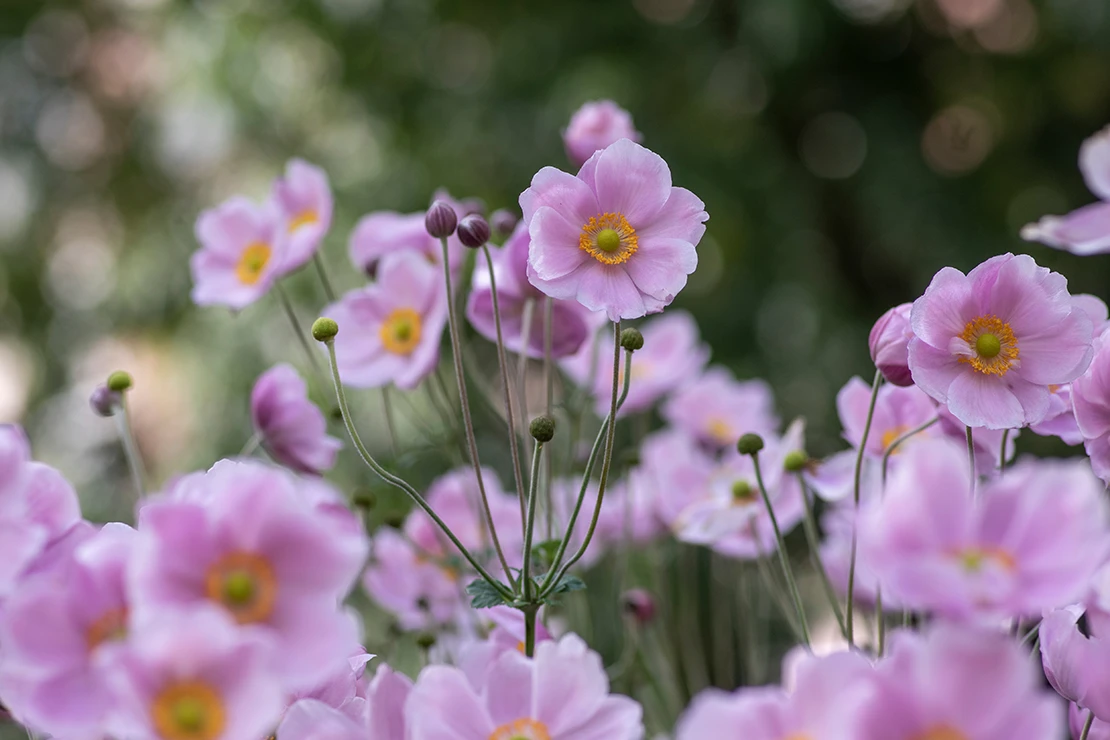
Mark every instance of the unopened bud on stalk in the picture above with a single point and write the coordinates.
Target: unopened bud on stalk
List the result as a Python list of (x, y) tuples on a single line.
[(749, 444), (796, 461), (104, 400), (425, 640), (639, 605), (503, 221), (324, 329), (440, 220), (632, 339), (542, 429), (473, 231), (119, 381)]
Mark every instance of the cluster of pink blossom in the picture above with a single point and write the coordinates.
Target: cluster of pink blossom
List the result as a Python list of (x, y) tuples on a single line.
[(223, 614)]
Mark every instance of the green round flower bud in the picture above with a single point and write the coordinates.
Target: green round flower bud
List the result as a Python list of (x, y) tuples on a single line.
[(542, 428), (632, 339), (749, 444), (796, 461), (426, 640), (119, 381), (324, 329)]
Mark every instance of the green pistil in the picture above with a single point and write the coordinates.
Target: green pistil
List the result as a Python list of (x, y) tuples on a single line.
[(188, 714), (608, 240), (988, 345), (239, 588), (742, 492)]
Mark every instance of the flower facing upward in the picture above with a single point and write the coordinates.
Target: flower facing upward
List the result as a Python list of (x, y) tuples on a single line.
[(716, 408), (617, 237), (304, 200), (293, 430), (390, 330), (244, 248), (990, 343), (594, 126), (1086, 230)]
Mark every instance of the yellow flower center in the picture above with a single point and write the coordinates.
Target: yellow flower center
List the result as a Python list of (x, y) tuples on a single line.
[(742, 493), (244, 584), (304, 218), (400, 331), (973, 559), (941, 732), (521, 729), (994, 348), (720, 430), (609, 238), (188, 710), (109, 626), (252, 262), (892, 434)]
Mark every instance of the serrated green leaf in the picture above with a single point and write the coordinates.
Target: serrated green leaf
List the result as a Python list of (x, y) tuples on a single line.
[(483, 595), (567, 584)]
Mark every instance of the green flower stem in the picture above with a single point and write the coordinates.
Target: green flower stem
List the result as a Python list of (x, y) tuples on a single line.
[(298, 329), (468, 423), (971, 457), (324, 281), (130, 449), (1002, 453), (784, 561), (402, 484), (850, 607), (529, 527), (549, 386), (809, 523), (890, 450), (1087, 725), (522, 364), (387, 412), (530, 629)]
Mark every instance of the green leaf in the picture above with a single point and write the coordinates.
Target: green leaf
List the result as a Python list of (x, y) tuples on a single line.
[(567, 584), (483, 595)]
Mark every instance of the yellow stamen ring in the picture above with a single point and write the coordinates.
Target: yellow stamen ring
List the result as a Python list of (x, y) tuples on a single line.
[(609, 238), (994, 348), (304, 218), (188, 710), (521, 729), (244, 584), (400, 332), (252, 262)]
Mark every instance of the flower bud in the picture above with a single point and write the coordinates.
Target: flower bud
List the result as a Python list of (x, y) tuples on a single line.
[(795, 461), (324, 329), (440, 220), (104, 400), (503, 221), (749, 444), (889, 342), (632, 339), (473, 231), (639, 605), (119, 381), (425, 640), (542, 429)]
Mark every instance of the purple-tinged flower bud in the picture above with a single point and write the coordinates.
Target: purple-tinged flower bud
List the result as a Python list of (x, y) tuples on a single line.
[(889, 341), (639, 604), (503, 221), (473, 231), (104, 400), (440, 220)]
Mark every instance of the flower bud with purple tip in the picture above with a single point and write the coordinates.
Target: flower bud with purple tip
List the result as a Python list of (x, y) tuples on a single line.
[(473, 231), (440, 220)]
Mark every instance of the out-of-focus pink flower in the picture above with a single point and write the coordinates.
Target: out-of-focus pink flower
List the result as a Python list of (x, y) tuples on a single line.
[(987, 442), (1087, 230), (890, 344), (192, 673), (617, 237), (255, 547), (673, 354), (1075, 661), (1078, 717), (1060, 421), (562, 693), (1090, 395), (594, 126), (1023, 543), (292, 429), (717, 409), (677, 469), (990, 343), (389, 331), (571, 324), (243, 250), (897, 411), (507, 635), (383, 233), (420, 589), (959, 682), (303, 198), (826, 701)]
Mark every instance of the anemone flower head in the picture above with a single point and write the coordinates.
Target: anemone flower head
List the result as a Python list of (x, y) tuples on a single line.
[(1023, 543), (389, 331), (561, 694), (421, 590), (303, 198), (594, 126), (1086, 230), (191, 674), (673, 354), (959, 683), (256, 548), (521, 305), (244, 248), (716, 408), (990, 343), (383, 233), (616, 237), (291, 427)]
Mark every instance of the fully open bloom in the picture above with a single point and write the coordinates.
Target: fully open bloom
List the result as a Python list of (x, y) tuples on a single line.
[(617, 237), (1087, 230), (192, 675), (244, 248), (390, 330), (1023, 543), (889, 343), (561, 694), (292, 429), (897, 411), (990, 343), (304, 200), (594, 126), (716, 408), (255, 546), (571, 324)]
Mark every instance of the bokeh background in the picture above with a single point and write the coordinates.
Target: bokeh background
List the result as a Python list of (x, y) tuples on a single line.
[(845, 149)]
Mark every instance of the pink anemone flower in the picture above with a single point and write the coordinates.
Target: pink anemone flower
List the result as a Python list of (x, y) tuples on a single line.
[(291, 427), (304, 200), (1086, 230)]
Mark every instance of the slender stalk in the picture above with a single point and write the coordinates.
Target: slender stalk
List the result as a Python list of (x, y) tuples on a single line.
[(402, 484), (1087, 725), (324, 281), (387, 412), (1002, 453), (809, 523), (522, 363), (880, 622), (530, 629), (130, 449), (468, 422), (784, 561), (890, 450), (251, 445), (503, 366), (771, 584), (529, 527), (549, 383), (297, 328), (850, 607), (1034, 630), (971, 456)]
